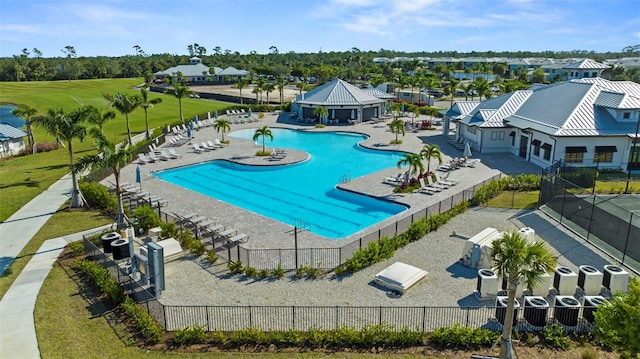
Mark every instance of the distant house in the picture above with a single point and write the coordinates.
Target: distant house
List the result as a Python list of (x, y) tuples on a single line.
[(11, 140), (197, 72), (580, 122)]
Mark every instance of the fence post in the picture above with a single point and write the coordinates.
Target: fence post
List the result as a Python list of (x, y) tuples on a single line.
[(250, 318), (293, 317), (380, 315), (424, 317), (337, 325), (206, 307)]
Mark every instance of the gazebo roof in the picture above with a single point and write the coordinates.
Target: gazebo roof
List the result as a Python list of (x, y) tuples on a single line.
[(336, 93)]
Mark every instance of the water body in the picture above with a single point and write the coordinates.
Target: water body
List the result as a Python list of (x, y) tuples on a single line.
[(7, 117)]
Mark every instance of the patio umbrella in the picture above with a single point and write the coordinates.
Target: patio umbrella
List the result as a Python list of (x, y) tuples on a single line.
[(250, 113), (215, 114), (353, 115), (196, 118), (189, 131), (375, 112), (333, 114), (467, 150), (138, 176)]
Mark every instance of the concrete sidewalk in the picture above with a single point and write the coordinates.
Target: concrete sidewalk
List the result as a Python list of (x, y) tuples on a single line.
[(17, 328)]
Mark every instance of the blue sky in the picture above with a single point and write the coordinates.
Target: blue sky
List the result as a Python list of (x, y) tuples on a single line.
[(113, 27)]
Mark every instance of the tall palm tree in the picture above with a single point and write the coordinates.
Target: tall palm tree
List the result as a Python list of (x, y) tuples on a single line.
[(125, 104), (452, 87), (267, 89), (222, 126), (516, 259), (482, 87), (414, 162), (179, 91), (260, 85), (146, 103), (100, 116), (110, 156), (27, 113), (281, 83), (257, 91), (67, 127), (320, 112), (397, 127), (240, 84), (263, 132), (431, 151), (469, 89)]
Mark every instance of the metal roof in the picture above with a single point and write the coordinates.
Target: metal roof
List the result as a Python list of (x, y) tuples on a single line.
[(8, 132), (192, 70), (378, 93), (232, 71), (338, 92), (587, 64)]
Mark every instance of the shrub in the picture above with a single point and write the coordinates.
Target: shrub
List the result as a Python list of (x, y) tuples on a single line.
[(247, 337), (189, 335), (77, 248), (147, 218), (186, 239), (300, 272), (235, 267), (289, 338), (103, 280), (340, 271), (278, 272), (320, 125), (250, 272), (459, 336), (313, 272), (263, 273), (554, 337), (169, 230), (98, 196), (143, 321), (212, 256), (218, 338), (198, 248)]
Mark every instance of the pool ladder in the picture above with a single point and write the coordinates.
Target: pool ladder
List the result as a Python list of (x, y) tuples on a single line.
[(345, 178)]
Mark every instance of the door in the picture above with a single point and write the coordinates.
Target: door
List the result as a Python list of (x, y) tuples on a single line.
[(524, 143)]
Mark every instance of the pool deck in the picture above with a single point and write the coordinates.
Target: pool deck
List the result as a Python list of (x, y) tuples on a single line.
[(267, 233)]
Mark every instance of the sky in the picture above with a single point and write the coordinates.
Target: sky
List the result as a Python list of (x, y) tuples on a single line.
[(114, 27)]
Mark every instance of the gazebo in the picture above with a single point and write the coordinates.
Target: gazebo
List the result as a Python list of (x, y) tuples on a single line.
[(344, 103)]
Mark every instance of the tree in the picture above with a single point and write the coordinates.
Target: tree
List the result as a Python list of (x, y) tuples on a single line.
[(397, 127), (414, 162), (481, 87), (281, 83), (67, 127), (431, 151), (538, 76), (517, 260), (267, 89), (179, 91), (100, 117), (452, 87), (125, 104), (27, 113), (240, 84), (320, 112), (111, 157), (222, 126), (145, 104), (469, 89), (257, 91), (263, 133), (617, 321)]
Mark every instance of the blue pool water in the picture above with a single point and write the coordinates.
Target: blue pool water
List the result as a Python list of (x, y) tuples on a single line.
[(299, 192)]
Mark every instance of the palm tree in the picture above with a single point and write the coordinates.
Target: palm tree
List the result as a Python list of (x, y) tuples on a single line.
[(67, 127), (257, 91), (431, 151), (453, 87), (222, 126), (179, 91), (263, 132), (240, 84), (482, 87), (397, 127), (320, 112), (516, 259), (414, 162), (125, 104), (100, 116), (260, 85), (281, 83), (146, 103), (27, 113), (469, 89), (111, 157), (267, 89)]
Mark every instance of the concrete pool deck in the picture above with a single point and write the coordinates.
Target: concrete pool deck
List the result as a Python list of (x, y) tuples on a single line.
[(267, 233)]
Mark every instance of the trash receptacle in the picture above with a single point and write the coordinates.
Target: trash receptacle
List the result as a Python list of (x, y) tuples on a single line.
[(120, 248), (107, 239), (501, 309), (566, 310), (536, 310)]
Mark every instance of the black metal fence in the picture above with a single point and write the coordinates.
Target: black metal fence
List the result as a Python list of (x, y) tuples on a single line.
[(613, 229)]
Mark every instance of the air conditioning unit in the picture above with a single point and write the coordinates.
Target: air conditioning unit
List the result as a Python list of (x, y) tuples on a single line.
[(590, 280), (536, 310), (107, 239), (566, 310), (542, 288), (487, 286), (528, 233), (501, 309), (590, 304), (615, 279), (565, 281), (120, 249)]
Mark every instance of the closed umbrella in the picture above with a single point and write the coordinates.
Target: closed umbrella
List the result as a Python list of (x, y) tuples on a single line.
[(138, 176), (333, 114), (375, 112), (250, 113), (189, 130), (353, 115), (197, 120), (467, 150), (324, 119), (402, 109), (215, 114)]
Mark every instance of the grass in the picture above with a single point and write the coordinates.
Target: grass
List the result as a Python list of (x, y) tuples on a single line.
[(23, 178), (518, 200), (61, 223)]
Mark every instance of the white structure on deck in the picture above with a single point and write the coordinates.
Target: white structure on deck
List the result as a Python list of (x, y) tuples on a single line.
[(11, 140)]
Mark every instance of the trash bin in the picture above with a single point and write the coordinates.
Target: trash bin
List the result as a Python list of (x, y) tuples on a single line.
[(536, 310), (120, 248), (566, 310), (501, 309), (591, 303), (107, 239)]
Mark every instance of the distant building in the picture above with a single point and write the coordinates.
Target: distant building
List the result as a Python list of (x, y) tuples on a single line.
[(197, 72), (580, 122), (11, 140)]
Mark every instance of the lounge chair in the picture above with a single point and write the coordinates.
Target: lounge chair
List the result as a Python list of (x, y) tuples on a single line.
[(228, 233), (197, 149), (153, 157), (446, 181), (427, 189), (165, 155), (212, 145), (213, 228), (394, 180), (472, 162), (218, 143), (206, 146), (435, 185), (144, 159), (238, 238), (173, 153)]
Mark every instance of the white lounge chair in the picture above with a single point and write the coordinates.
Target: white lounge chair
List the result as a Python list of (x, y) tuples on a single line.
[(143, 158), (165, 155), (446, 182), (153, 157), (218, 143), (435, 185), (197, 149), (427, 189), (173, 153), (212, 145), (394, 180), (238, 238), (228, 233), (206, 146)]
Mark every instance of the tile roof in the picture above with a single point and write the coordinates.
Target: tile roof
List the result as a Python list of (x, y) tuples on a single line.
[(8, 132), (338, 92)]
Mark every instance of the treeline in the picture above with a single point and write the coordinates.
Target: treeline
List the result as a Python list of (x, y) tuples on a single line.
[(349, 65)]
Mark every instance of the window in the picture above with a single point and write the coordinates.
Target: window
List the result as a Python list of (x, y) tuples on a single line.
[(513, 138), (594, 74), (547, 151), (605, 153), (536, 147), (626, 115), (494, 135), (574, 154), (501, 135)]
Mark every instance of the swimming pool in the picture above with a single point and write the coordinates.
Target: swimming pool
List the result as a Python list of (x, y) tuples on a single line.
[(299, 193)]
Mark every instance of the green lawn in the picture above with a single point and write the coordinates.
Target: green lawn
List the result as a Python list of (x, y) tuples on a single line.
[(519, 200), (23, 178)]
